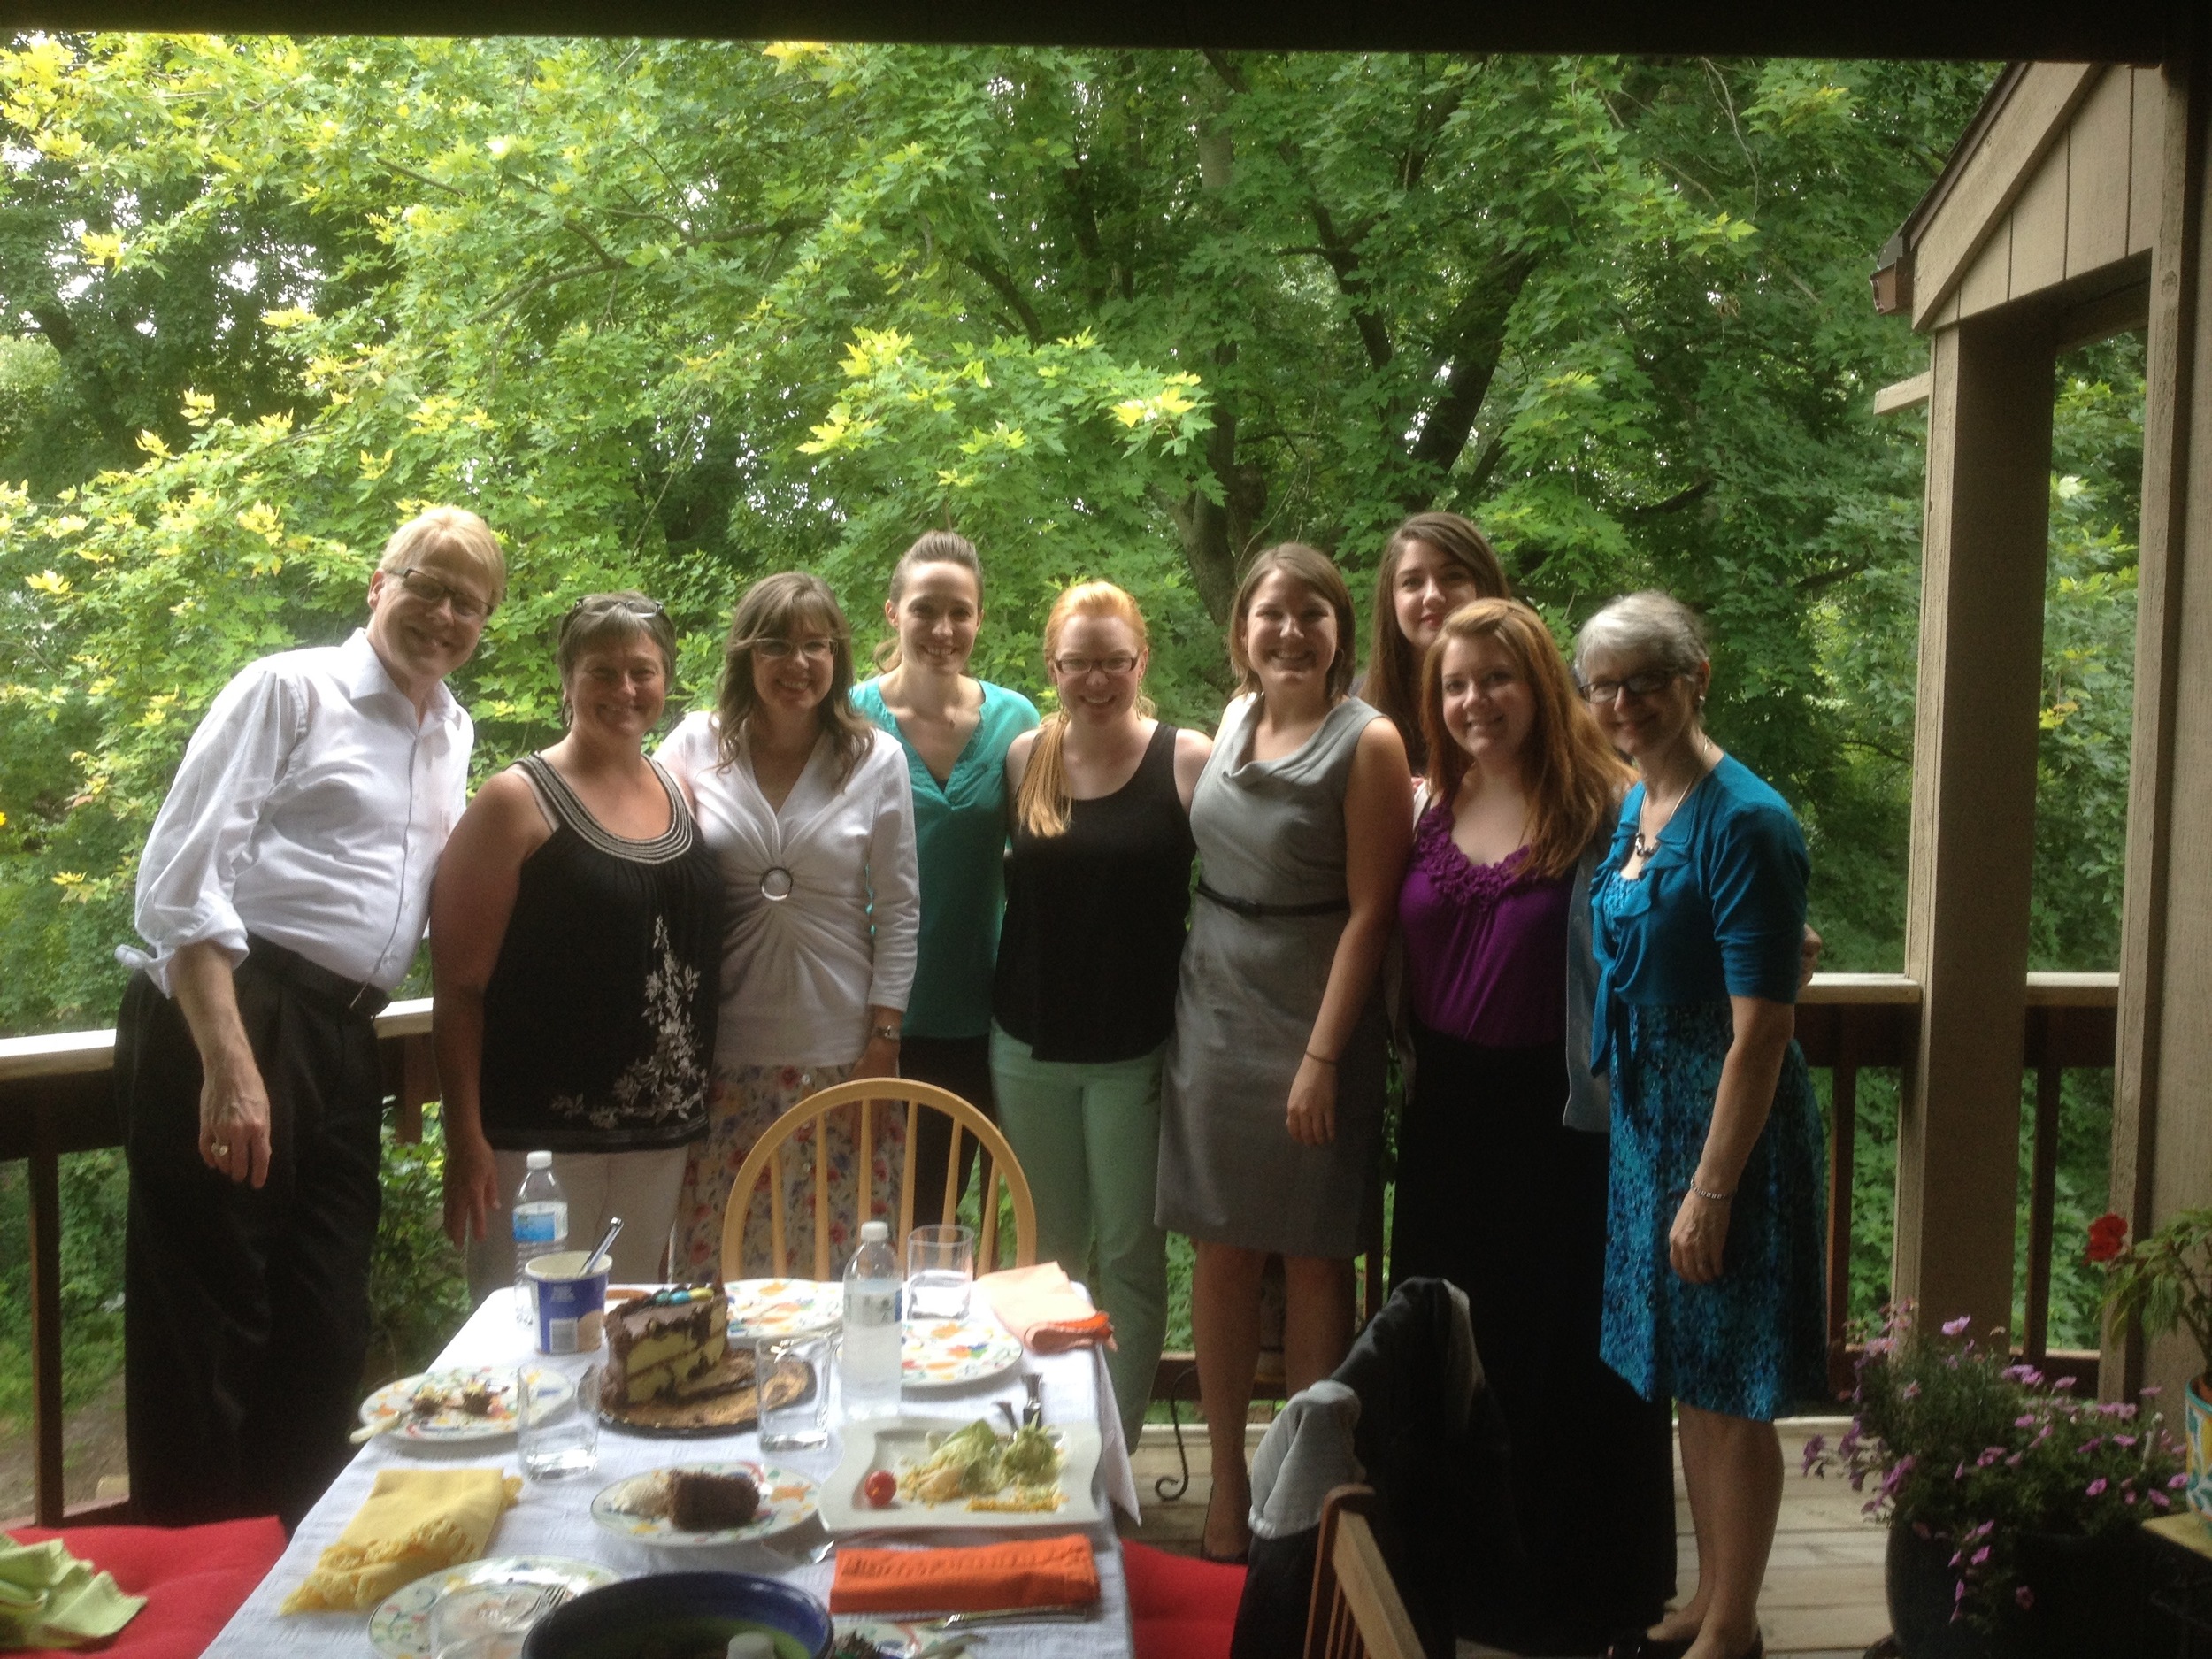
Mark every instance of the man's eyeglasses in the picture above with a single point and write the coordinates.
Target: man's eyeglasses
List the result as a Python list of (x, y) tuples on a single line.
[(814, 651), (421, 585), (1077, 667), (1635, 685)]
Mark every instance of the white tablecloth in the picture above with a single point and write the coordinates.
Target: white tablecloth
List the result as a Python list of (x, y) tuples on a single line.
[(554, 1519)]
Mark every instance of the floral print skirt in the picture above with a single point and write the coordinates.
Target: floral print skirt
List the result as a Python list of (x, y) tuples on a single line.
[(1754, 1341), (745, 1102)]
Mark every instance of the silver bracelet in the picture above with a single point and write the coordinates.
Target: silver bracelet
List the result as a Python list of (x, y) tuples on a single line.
[(1711, 1198)]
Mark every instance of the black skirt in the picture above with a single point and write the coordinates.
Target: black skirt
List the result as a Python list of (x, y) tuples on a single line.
[(1497, 1195)]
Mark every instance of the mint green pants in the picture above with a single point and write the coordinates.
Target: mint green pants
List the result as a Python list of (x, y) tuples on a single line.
[(1088, 1139)]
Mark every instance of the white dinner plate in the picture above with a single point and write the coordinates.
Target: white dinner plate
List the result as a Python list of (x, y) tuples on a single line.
[(894, 1443), (400, 1628), (951, 1354), (786, 1499), (450, 1425), (784, 1307)]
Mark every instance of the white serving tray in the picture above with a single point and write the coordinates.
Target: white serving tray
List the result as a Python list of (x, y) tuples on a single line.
[(891, 1442)]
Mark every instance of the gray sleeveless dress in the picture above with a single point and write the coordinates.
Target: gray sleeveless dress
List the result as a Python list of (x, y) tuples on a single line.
[(1270, 839)]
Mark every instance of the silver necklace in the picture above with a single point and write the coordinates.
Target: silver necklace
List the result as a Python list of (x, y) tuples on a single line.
[(1645, 845)]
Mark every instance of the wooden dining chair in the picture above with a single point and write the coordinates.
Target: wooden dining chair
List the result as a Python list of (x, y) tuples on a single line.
[(1356, 1612), (868, 1096)]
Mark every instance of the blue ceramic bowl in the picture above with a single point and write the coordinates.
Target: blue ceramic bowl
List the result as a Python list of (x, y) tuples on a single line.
[(681, 1616)]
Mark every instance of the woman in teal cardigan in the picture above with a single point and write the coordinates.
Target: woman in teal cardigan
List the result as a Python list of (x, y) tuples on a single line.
[(1713, 1284), (956, 730)]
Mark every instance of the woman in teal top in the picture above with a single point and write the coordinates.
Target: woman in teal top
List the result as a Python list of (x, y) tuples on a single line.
[(1714, 1290), (956, 731)]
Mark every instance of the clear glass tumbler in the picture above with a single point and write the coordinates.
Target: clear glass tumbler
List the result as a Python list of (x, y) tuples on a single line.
[(559, 1439), (939, 1273), (801, 1424)]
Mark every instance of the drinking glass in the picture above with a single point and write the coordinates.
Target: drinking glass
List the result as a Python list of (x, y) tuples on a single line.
[(801, 1425), (484, 1621), (559, 1439), (939, 1273)]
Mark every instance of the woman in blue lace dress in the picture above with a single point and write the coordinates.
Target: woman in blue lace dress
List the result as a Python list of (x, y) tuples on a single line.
[(1713, 1282)]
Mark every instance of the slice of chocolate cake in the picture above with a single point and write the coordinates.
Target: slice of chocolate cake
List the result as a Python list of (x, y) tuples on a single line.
[(667, 1346), (702, 1503)]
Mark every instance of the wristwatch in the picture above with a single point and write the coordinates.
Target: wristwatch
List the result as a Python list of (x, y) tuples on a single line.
[(886, 1033)]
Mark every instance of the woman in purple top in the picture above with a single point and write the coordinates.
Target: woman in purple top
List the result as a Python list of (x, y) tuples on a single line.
[(1498, 1191)]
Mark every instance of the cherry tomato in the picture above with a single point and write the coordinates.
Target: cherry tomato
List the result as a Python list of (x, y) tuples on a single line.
[(880, 1487)]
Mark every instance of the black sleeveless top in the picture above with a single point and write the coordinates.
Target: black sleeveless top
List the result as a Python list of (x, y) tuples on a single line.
[(1096, 916), (599, 1018)]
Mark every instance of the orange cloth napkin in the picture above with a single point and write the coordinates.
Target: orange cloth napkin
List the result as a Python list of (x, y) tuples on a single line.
[(1036, 1572), (1039, 1305)]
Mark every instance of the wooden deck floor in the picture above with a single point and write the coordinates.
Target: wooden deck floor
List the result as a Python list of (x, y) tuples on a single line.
[(1822, 1598)]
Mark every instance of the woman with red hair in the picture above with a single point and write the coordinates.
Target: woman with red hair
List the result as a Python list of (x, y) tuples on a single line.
[(1502, 1145)]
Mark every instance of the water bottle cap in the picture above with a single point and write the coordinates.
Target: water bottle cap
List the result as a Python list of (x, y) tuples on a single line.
[(875, 1231), (540, 1161)]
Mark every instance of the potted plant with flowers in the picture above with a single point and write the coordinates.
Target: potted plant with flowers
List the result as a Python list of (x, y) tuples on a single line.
[(2012, 1505), (2160, 1284)]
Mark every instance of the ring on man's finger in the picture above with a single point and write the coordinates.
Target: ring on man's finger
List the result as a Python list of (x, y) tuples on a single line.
[(220, 1148)]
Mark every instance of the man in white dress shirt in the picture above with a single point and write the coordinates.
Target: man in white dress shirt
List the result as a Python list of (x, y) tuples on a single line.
[(283, 893)]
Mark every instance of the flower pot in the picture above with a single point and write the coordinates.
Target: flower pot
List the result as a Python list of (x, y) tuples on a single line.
[(2196, 1431), (2092, 1599), (1917, 1573), (2089, 1601)]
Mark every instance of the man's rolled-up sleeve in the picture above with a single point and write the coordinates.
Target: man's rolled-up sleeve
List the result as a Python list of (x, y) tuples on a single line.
[(206, 825)]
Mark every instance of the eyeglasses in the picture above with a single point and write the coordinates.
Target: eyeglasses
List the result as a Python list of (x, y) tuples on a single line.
[(814, 651), (601, 606), (421, 585), (1078, 667), (1635, 685)]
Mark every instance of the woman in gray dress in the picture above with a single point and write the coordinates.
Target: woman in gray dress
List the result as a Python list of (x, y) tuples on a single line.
[(1272, 1100)]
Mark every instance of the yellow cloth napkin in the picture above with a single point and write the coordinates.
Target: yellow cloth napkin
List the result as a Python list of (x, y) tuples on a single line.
[(50, 1599), (415, 1521)]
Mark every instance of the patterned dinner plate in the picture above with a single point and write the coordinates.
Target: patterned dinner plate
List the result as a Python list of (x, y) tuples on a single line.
[(475, 1403), (400, 1629), (949, 1354), (784, 1307), (786, 1500)]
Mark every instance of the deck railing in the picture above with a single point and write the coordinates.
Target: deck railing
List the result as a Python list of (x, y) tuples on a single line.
[(56, 1097)]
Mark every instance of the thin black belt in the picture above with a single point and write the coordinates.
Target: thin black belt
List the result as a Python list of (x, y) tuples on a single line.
[(336, 992), (1253, 908)]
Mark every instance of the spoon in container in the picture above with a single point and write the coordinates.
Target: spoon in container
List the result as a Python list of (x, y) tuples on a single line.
[(604, 1244)]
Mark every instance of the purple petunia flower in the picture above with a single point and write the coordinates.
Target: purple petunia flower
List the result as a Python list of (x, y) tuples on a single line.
[(2095, 1488), (2177, 1483), (1957, 1327)]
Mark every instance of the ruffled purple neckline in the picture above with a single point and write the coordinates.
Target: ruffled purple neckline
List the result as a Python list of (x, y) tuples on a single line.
[(1457, 876)]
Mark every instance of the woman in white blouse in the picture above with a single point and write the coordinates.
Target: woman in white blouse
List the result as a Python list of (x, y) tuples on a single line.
[(808, 808)]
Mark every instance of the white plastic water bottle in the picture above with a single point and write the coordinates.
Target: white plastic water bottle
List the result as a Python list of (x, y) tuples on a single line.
[(540, 1222), (869, 1369)]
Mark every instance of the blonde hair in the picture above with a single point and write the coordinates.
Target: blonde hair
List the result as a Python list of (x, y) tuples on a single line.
[(775, 608), (1042, 803), (1572, 778), (454, 530)]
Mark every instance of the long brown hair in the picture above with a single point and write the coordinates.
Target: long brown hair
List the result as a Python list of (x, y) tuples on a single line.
[(932, 547), (1572, 778), (1309, 567), (776, 608), (1393, 677), (1042, 804)]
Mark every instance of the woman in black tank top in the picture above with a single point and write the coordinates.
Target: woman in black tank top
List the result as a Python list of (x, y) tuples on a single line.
[(1097, 899), (577, 943)]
